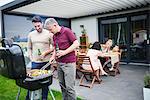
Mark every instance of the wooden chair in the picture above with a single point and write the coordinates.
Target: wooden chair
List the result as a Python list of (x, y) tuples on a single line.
[(78, 74), (82, 59)]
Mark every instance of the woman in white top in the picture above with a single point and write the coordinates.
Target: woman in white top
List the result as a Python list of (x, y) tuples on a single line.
[(94, 52)]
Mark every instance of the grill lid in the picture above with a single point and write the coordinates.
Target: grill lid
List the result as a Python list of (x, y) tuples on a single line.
[(12, 63)]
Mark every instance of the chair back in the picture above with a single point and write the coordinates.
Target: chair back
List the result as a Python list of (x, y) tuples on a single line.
[(85, 60)]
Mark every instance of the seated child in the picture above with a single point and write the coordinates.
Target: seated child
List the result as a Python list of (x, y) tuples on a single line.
[(115, 50)]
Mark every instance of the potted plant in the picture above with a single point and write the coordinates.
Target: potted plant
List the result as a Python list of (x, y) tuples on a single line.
[(146, 89), (83, 31)]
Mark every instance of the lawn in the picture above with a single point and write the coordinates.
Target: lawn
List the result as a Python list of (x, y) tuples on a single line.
[(8, 91)]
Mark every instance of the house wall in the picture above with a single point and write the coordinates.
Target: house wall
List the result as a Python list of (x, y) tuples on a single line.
[(90, 24)]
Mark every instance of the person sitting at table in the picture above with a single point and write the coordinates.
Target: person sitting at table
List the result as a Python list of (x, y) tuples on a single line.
[(107, 46), (94, 52), (115, 50)]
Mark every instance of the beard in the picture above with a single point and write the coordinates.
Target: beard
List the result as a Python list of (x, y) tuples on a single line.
[(39, 30)]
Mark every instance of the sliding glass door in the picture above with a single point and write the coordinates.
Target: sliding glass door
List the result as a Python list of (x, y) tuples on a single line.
[(139, 38)]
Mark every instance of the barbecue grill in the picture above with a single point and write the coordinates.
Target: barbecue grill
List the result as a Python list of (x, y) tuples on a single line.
[(12, 65)]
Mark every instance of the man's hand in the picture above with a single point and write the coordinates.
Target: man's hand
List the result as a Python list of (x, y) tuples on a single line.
[(43, 55), (60, 53), (51, 60)]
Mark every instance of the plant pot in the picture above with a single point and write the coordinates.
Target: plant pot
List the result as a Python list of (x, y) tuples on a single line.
[(83, 34), (146, 93)]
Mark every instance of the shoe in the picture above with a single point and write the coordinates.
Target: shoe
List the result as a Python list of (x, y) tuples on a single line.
[(105, 74)]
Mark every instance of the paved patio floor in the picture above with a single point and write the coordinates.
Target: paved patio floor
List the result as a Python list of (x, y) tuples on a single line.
[(126, 86)]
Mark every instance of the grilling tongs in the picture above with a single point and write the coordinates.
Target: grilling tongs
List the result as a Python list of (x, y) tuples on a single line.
[(45, 66)]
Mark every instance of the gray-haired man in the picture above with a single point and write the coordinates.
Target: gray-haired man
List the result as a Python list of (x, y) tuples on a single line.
[(65, 39)]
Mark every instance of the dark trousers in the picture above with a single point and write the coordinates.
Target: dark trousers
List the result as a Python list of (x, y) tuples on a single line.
[(45, 89)]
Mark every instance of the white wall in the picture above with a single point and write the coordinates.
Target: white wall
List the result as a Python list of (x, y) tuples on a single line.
[(90, 24)]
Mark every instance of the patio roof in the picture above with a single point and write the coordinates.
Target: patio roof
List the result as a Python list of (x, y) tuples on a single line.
[(4, 2), (78, 8)]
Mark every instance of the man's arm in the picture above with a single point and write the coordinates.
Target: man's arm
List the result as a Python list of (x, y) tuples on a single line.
[(48, 51), (72, 47), (51, 44), (29, 48), (68, 50)]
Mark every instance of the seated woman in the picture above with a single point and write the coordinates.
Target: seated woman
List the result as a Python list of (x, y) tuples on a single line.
[(115, 50), (107, 46), (94, 52)]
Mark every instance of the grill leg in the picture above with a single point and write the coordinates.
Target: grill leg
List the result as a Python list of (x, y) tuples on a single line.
[(18, 94), (35, 95), (52, 95), (32, 95)]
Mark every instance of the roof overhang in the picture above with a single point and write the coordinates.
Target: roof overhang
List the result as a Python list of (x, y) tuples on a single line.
[(75, 8)]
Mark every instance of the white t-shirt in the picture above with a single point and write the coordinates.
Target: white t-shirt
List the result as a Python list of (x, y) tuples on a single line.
[(42, 41)]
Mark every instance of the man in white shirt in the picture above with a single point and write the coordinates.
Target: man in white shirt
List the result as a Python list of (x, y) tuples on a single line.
[(39, 47)]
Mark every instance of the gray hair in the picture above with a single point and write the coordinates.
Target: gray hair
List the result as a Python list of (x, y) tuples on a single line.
[(49, 21)]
